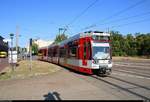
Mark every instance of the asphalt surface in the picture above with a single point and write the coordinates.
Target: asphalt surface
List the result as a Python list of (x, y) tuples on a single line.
[(3, 63), (129, 80)]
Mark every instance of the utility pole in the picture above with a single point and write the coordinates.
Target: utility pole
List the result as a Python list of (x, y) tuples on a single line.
[(11, 55), (30, 50), (60, 29), (64, 30), (17, 36), (110, 43), (108, 30)]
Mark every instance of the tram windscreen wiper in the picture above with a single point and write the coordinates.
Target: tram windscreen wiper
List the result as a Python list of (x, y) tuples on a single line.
[(107, 57)]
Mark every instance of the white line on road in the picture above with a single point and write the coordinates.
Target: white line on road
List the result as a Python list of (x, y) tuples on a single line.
[(132, 63), (125, 71), (120, 70), (132, 76), (132, 66)]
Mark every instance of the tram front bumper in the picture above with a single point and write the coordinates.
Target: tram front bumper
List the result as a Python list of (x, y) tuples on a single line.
[(105, 68)]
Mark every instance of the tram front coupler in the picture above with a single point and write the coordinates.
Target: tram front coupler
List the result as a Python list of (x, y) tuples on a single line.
[(102, 70)]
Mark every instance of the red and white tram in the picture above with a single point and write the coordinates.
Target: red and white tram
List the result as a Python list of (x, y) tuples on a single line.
[(88, 52)]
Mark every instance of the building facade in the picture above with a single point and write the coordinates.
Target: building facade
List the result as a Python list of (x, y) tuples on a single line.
[(40, 43), (3, 45)]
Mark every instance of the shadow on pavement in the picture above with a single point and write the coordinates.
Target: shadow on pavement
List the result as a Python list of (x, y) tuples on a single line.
[(2, 73), (52, 96)]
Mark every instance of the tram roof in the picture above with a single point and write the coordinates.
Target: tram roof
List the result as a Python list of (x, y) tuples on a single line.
[(84, 34), (52, 45), (43, 47)]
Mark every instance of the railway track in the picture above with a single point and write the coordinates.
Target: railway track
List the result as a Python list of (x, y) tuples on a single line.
[(124, 87), (147, 68), (128, 68), (132, 73), (134, 63), (132, 70), (129, 87), (133, 90)]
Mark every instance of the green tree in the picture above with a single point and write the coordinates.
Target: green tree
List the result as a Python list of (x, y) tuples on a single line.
[(117, 42), (145, 45), (34, 48), (130, 45), (60, 38), (140, 43)]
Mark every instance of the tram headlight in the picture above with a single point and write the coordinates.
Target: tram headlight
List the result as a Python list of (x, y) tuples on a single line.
[(95, 61), (110, 61)]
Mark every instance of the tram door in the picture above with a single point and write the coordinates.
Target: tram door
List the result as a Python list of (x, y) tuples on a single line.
[(86, 52)]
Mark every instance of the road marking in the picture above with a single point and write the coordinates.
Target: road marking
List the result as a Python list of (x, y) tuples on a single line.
[(132, 63), (120, 70), (132, 76), (132, 66), (124, 71), (119, 74), (140, 77)]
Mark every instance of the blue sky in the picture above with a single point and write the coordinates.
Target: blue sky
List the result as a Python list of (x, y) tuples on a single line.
[(42, 18)]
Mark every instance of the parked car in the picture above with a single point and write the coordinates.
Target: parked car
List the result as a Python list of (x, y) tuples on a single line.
[(3, 54)]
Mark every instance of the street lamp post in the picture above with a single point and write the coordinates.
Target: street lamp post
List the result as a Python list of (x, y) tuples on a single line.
[(60, 29), (11, 37)]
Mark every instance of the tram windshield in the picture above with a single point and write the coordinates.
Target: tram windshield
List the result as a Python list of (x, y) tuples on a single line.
[(101, 53), (97, 37)]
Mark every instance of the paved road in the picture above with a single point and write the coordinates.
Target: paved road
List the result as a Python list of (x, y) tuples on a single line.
[(3, 63), (62, 85), (128, 81), (135, 69)]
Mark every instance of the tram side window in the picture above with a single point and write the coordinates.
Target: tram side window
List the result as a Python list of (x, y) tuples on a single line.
[(40, 53), (49, 52), (45, 52), (54, 53), (104, 38), (97, 37), (73, 51), (62, 52)]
